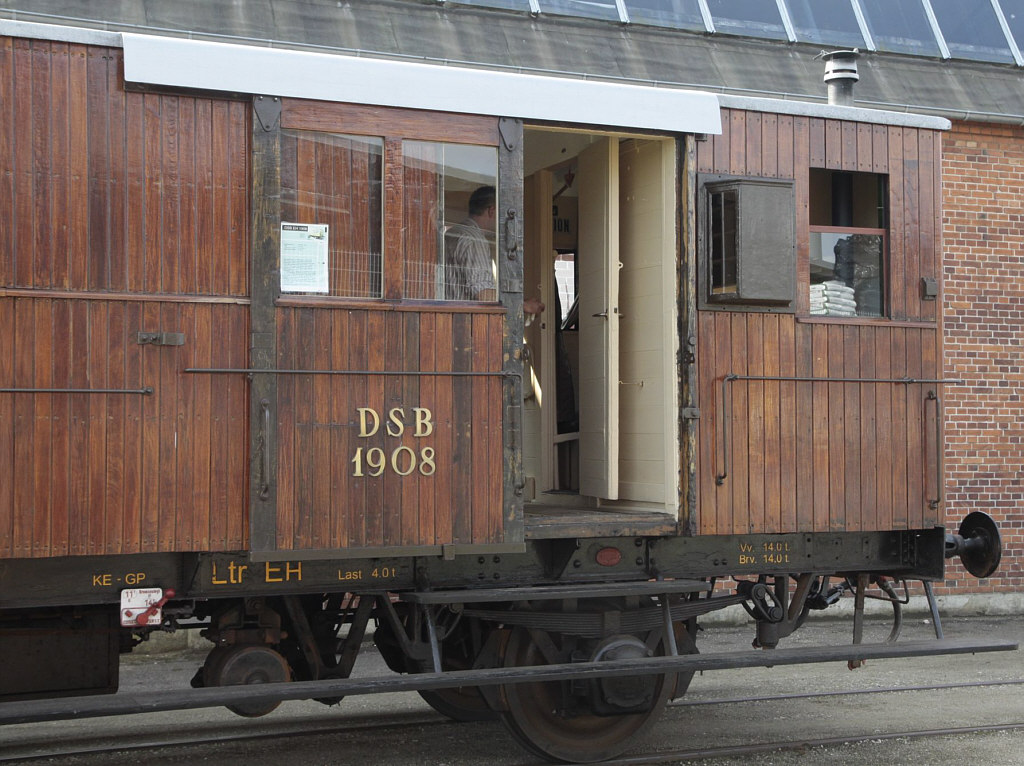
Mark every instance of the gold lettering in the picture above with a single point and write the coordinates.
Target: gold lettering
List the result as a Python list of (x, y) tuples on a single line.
[(375, 460), (134, 578), (424, 426), (395, 416), (364, 430), (213, 576), (395, 461), (101, 581), (427, 466), (276, 573)]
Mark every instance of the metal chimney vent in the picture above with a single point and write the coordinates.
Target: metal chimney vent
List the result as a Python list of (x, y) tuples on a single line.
[(840, 75)]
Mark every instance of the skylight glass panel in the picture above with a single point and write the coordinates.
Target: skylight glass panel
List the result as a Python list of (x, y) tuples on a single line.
[(508, 5), (677, 14), (750, 18), (604, 10), (1013, 10), (826, 22), (900, 26), (972, 30)]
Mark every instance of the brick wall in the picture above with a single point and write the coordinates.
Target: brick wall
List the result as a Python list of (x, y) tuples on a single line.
[(983, 229)]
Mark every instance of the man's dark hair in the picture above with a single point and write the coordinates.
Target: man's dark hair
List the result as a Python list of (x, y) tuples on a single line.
[(481, 199)]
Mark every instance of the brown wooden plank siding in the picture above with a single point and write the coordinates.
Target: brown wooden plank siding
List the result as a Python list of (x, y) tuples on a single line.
[(113, 191), (442, 486), (120, 212), (825, 456), (97, 473)]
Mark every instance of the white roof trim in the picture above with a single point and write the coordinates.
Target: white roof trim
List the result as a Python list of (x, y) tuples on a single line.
[(329, 77), (9, 28)]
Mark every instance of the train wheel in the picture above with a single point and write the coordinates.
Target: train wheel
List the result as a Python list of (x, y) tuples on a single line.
[(237, 665), (546, 721), (462, 703)]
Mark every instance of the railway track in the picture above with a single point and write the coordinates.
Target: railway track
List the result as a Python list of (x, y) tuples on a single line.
[(802, 744), (395, 724)]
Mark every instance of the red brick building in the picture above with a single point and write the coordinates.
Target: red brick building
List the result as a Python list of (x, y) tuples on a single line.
[(983, 177)]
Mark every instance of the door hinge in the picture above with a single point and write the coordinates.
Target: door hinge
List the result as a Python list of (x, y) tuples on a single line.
[(690, 413)]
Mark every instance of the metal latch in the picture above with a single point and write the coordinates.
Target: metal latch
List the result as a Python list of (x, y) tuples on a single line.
[(690, 413), (161, 338)]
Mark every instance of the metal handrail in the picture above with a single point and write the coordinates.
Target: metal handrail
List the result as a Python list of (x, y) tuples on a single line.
[(720, 478), (423, 373), (144, 391)]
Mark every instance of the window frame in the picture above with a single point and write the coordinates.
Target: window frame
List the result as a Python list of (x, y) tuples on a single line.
[(784, 243), (884, 269), (393, 125)]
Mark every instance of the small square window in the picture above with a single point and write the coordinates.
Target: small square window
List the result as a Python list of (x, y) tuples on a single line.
[(747, 236), (848, 244)]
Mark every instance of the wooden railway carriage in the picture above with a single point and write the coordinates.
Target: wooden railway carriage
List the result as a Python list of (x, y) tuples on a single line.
[(235, 393)]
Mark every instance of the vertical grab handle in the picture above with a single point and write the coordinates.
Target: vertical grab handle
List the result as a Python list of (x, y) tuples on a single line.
[(933, 397), (512, 234), (265, 450)]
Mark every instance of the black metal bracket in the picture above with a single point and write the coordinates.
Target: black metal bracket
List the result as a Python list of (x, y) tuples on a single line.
[(268, 111), (160, 338)]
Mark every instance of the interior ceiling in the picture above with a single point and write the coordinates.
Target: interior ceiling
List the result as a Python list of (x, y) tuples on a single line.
[(460, 34)]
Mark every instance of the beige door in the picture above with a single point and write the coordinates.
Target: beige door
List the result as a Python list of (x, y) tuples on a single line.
[(598, 274)]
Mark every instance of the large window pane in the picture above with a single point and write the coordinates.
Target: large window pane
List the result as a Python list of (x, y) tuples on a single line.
[(589, 9), (972, 30), (335, 180), (449, 221), (846, 272), (751, 18), (900, 27), (1013, 10), (825, 23), (678, 14)]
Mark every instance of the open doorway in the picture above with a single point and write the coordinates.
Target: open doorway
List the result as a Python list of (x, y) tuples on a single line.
[(600, 425)]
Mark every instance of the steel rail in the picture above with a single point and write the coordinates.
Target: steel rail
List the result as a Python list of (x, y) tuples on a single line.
[(802, 744), (390, 722), (394, 721), (30, 711), (841, 693)]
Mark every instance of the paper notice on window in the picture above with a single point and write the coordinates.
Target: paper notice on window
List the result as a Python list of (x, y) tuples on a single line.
[(304, 258)]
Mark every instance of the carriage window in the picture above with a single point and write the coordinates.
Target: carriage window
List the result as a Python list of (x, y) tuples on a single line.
[(722, 234), (848, 217), (450, 217), (331, 191), (747, 230)]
